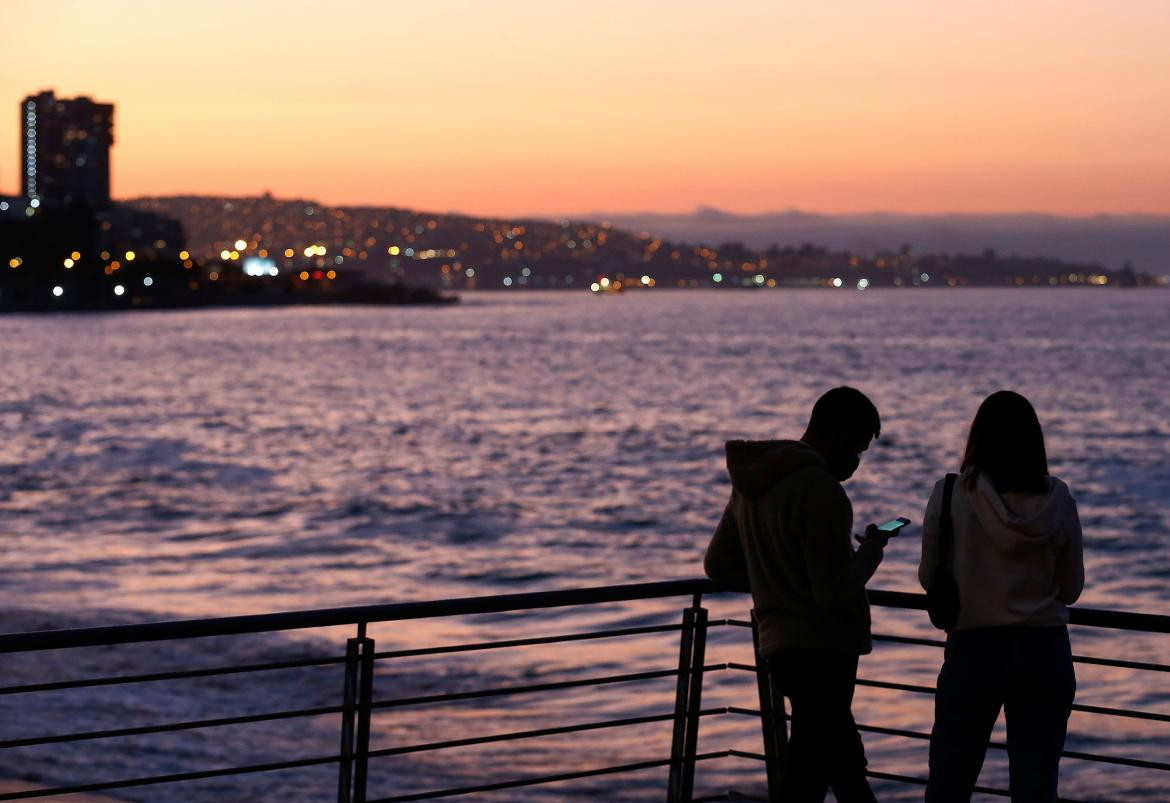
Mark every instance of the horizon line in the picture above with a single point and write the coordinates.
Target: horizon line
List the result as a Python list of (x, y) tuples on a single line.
[(698, 210)]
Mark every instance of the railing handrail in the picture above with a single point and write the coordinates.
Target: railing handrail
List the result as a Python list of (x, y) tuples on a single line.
[(330, 617), (495, 603)]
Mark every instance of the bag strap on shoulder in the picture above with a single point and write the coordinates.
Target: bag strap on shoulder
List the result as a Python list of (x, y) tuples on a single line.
[(946, 533)]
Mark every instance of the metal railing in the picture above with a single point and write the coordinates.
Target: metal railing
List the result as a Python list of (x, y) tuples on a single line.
[(358, 701)]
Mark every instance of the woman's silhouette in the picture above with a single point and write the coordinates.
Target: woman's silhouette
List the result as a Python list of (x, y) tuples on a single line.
[(1017, 561)]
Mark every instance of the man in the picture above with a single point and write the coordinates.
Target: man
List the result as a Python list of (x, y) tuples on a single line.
[(785, 536)]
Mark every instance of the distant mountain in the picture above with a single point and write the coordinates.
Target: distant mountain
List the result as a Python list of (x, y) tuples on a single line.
[(1112, 240)]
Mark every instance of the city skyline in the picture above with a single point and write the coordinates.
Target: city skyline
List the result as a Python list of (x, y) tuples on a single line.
[(523, 108)]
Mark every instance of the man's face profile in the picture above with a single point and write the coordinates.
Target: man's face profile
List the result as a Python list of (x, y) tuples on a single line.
[(845, 455)]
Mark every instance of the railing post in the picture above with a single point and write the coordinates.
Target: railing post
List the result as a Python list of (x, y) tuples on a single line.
[(365, 698), (348, 692), (688, 697), (773, 718)]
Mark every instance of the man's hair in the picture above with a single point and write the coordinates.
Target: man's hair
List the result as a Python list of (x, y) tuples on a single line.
[(845, 410)]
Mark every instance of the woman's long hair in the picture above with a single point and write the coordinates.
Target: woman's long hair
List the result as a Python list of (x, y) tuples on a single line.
[(1007, 445)]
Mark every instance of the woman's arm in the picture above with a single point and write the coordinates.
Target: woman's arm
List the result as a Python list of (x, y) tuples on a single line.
[(1070, 561)]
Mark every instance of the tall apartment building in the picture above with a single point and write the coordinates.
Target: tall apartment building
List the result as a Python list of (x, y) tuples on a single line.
[(65, 149)]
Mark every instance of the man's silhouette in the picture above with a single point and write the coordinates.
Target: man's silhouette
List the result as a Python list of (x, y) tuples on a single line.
[(786, 537)]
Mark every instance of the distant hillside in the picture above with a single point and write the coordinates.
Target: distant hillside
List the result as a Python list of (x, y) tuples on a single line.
[(1143, 240), (304, 238)]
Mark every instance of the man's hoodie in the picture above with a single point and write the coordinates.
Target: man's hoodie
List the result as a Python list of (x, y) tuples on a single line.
[(1017, 557), (786, 537)]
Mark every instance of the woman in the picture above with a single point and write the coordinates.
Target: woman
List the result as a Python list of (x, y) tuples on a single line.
[(1017, 562)]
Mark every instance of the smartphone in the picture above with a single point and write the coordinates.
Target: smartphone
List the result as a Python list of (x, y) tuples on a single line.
[(892, 526)]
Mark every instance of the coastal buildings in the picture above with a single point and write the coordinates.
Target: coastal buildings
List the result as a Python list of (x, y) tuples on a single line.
[(65, 150)]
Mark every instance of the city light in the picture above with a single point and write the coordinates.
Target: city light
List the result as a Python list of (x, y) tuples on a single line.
[(130, 256), (119, 290), (184, 255), (58, 291), (837, 281), (241, 245), (75, 256), (147, 281)]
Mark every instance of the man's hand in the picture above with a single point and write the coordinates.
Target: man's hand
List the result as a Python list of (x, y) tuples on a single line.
[(872, 533)]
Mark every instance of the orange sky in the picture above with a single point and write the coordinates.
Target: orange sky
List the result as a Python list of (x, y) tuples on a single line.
[(558, 107)]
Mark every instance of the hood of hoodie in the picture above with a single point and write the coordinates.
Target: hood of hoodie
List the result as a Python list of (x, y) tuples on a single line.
[(1011, 517), (755, 466)]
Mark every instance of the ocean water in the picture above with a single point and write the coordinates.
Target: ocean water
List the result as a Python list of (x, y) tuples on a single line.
[(206, 463)]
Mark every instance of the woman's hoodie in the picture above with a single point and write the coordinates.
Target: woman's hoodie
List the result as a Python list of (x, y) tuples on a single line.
[(1017, 557)]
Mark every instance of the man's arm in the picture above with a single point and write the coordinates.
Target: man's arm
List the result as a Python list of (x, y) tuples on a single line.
[(724, 562), (836, 571)]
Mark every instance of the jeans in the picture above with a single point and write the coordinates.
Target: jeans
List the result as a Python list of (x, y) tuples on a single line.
[(824, 746), (1027, 671)]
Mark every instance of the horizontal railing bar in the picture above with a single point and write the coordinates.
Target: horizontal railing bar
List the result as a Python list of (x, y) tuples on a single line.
[(923, 642), (730, 794), (879, 684), (738, 623), (174, 726), (1118, 620), (1104, 759), (736, 709), (1118, 760), (1086, 659), (177, 675), (499, 603), (531, 734), (542, 779), (887, 776), (911, 779), (885, 684), (911, 734), (524, 642), (322, 711), (1120, 712), (747, 754), (506, 690), (330, 617), (104, 786), (1093, 757)]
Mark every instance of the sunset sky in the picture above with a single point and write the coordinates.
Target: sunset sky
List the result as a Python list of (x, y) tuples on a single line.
[(503, 107)]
